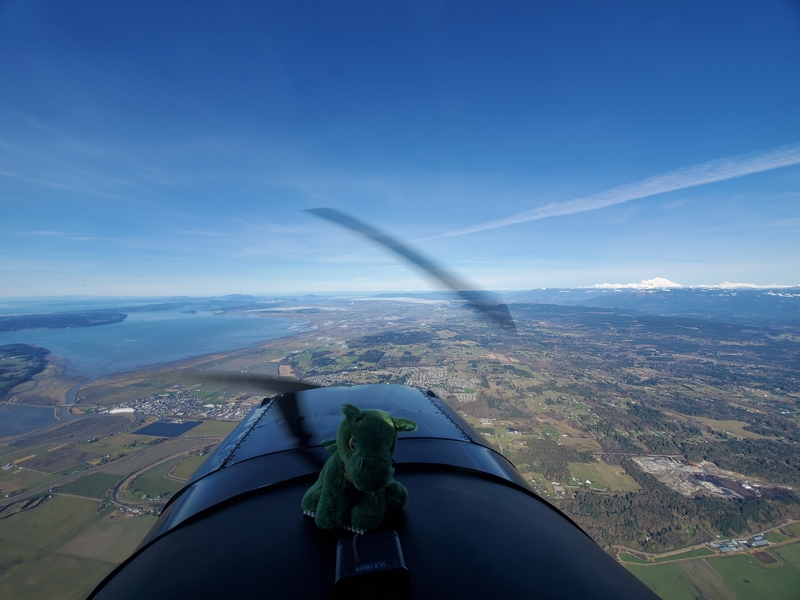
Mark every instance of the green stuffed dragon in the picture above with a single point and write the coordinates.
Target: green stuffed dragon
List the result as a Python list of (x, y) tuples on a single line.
[(355, 485)]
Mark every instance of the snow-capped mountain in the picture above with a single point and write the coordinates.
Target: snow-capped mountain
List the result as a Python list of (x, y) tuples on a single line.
[(660, 283), (727, 285), (657, 283)]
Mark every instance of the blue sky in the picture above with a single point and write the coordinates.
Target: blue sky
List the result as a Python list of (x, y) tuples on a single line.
[(151, 148)]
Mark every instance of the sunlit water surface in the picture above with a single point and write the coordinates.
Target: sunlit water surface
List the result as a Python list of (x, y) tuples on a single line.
[(150, 338)]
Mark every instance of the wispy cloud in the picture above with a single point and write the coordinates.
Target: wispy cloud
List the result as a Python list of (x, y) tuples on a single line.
[(203, 233), (87, 188), (686, 177), (41, 232), (795, 222)]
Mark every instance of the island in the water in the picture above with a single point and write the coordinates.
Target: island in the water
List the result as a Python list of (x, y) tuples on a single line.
[(65, 320)]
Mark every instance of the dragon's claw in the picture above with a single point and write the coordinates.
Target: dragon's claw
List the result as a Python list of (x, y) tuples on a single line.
[(355, 530)]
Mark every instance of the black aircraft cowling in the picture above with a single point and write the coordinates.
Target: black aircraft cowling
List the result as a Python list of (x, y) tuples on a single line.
[(472, 526)]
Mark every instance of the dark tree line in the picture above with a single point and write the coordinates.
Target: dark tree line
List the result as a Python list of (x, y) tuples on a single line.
[(549, 458), (28, 361), (392, 338), (657, 519), (59, 320), (776, 462)]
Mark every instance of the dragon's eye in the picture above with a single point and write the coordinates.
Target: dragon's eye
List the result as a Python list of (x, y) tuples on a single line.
[(352, 443)]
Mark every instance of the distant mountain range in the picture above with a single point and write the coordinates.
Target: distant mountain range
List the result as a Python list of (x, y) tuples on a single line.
[(662, 283), (774, 306), (770, 307)]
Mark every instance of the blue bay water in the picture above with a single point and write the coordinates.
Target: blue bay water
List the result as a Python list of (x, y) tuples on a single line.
[(150, 338), (15, 420)]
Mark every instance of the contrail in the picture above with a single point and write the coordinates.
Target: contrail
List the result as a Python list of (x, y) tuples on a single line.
[(686, 177)]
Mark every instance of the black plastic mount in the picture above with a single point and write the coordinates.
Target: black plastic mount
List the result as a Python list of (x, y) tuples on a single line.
[(371, 566)]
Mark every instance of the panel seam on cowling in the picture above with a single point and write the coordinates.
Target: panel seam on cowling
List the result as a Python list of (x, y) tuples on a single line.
[(246, 435), (445, 415)]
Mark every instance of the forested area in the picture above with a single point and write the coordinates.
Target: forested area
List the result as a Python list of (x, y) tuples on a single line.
[(393, 338), (546, 456), (773, 461), (18, 363), (656, 519)]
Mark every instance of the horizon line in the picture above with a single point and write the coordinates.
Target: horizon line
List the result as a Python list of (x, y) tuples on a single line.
[(725, 285)]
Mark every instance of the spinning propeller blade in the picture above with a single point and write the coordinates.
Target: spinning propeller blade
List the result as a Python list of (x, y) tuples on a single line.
[(484, 303), (246, 382), (285, 401), (487, 305)]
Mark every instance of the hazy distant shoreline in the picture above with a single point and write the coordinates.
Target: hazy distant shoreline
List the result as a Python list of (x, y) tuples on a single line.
[(68, 320), (147, 339)]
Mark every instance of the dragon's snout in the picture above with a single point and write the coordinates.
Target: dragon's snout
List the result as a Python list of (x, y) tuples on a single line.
[(371, 474)]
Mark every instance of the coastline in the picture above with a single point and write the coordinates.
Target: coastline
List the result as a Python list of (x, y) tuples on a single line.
[(59, 387), (146, 340)]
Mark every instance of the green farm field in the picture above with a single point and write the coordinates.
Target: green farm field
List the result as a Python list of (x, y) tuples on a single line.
[(603, 476), (111, 539), (734, 427), (550, 430), (739, 576), (153, 483), (630, 558), (29, 564), (18, 456), (212, 428), (55, 577), (696, 553), (50, 524), (16, 479), (752, 580), (679, 581), (94, 485), (64, 547), (186, 468), (582, 444), (60, 458), (114, 445)]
